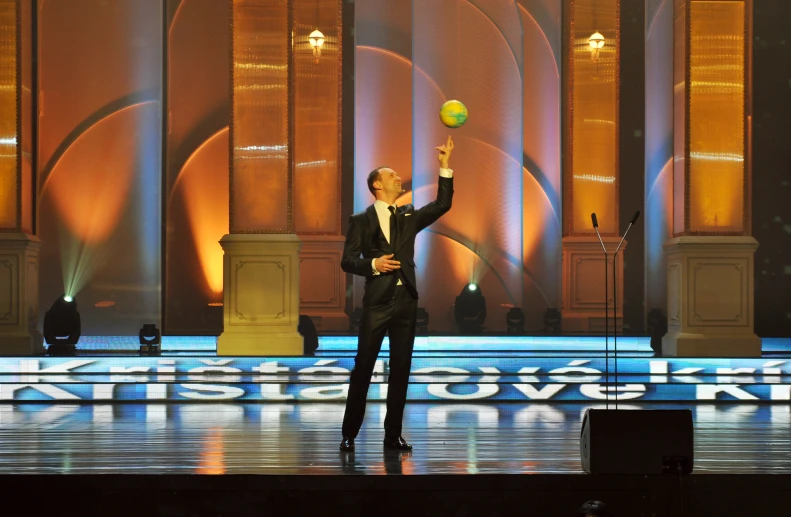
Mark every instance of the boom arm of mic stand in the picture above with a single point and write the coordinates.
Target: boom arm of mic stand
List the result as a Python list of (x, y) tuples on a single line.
[(615, 309)]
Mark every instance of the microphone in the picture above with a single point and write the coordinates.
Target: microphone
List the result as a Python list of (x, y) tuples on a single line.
[(631, 223), (596, 221)]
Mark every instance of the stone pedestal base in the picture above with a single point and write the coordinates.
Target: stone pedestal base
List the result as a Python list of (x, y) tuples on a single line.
[(322, 284), (583, 284), (710, 297), (261, 295), (19, 334)]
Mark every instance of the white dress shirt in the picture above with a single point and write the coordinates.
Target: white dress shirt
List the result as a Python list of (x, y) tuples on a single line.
[(383, 212)]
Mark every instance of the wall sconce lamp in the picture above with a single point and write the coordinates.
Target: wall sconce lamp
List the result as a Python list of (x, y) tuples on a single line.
[(316, 40), (596, 42)]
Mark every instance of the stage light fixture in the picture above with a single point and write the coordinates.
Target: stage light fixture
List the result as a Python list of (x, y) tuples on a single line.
[(515, 321), (62, 327), (552, 321), (421, 321), (150, 340), (310, 337), (470, 309)]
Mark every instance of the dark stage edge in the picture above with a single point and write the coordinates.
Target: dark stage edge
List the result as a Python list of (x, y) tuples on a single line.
[(430, 495), (120, 462)]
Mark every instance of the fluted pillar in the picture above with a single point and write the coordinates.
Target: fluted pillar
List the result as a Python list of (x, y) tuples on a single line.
[(317, 86), (261, 252), (710, 259), (19, 246), (591, 65)]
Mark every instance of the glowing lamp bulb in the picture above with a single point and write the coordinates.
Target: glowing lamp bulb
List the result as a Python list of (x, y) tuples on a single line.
[(316, 39), (596, 41), (472, 287), (68, 299)]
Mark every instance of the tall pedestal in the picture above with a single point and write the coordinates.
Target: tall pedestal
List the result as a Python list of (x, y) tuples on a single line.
[(261, 296), (710, 297), (322, 287), (19, 334), (583, 284)]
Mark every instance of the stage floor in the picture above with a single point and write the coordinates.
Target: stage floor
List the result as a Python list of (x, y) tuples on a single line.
[(302, 439)]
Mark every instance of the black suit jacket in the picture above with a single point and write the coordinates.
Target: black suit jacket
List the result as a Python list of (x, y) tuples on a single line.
[(364, 243)]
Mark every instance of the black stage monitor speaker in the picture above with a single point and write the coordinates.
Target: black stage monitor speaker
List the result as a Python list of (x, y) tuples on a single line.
[(625, 441)]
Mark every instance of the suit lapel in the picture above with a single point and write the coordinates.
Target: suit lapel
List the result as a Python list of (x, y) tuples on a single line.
[(373, 219), (400, 225)]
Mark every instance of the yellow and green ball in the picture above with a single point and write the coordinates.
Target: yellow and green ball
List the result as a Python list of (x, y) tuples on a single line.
[(453, 114)]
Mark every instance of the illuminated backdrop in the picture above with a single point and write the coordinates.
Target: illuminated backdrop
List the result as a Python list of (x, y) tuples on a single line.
[(502, 60), (99, 159), (161, 73), (658, 148)]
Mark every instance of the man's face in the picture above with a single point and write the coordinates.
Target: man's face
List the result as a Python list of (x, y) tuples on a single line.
[(389, 181)]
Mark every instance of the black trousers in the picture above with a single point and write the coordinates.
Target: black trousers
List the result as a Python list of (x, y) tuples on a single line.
[(397, 319)]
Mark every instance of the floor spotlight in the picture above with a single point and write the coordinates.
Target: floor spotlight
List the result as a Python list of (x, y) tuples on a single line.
[(150, 340), (421, 321), (310, 337), (552, 321), (62, 326), (470, 309), (515, 321)]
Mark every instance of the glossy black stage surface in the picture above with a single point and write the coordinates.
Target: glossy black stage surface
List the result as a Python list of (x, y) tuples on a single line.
[(282, 459)]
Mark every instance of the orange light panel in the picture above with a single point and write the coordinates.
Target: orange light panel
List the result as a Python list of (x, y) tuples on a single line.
[(716, 117), (8, 120), (261, 158), (593, 99)]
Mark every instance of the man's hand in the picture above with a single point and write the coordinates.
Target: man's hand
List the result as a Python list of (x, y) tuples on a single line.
[(384, 264), (444, 153)]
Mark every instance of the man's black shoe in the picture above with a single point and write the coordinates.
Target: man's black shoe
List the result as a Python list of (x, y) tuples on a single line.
[(396, 444)]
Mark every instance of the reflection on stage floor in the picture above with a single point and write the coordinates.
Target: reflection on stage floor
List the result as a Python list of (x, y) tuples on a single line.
[(303, 438)]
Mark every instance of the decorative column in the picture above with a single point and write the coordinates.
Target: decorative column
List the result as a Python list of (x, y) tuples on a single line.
[(19, 246), (317, 84), (710, 258), (591, 66), (261, 252)]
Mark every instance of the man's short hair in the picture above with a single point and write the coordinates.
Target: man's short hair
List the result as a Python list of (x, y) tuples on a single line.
[(594, 509), (374, 176)]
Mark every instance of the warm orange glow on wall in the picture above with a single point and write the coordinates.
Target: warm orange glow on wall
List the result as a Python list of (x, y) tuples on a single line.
[(317, 131), (261, 173), (90, 183), (716, 117), (591, 125), (9, 89), (204, 184)]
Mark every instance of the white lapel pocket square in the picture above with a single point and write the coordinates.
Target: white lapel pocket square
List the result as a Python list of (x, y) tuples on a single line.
[(407, 215)]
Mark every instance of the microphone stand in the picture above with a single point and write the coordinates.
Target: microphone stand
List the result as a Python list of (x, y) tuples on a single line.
[(606, 316), (615, 300)]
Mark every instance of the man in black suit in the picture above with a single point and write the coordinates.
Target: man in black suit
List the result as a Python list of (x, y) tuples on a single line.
[(379, 241)]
